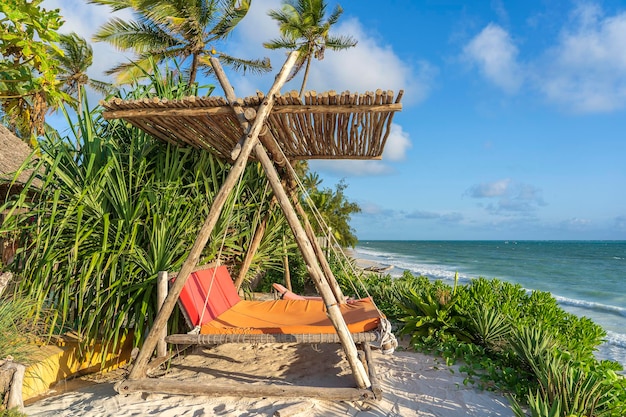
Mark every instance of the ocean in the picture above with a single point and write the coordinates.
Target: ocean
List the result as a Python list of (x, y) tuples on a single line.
[(588, 278)]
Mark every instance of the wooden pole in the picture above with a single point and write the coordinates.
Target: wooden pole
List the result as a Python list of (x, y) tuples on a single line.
[(376, 387), (161, 294), (313, 267), (252, 248), (287, 273), (15, 391), (139, 370)]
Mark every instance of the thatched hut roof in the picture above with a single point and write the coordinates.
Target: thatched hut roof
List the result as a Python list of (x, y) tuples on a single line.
[(13, 152), (322, 126)]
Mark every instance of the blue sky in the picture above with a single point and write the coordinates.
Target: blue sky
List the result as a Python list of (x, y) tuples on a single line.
[(514, 118)]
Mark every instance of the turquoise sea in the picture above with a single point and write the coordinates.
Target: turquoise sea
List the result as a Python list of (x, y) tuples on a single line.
[(588, 278)]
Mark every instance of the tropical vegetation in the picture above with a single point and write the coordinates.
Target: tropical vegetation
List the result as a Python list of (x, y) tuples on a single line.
[(117, 209), (188, 32), (18, 329), (113, 206), (29, 86), (304, 27), (510, 340), (75, 58)]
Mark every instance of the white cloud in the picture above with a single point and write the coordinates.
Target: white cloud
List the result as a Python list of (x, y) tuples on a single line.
[(508, 197), (490, 189), (576, 223), (495, 54), (398, 143), (370, 65), (586, 70), (350, 167), (366, 67)]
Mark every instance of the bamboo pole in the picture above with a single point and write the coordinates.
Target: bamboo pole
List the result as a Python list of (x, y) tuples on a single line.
[(308, 253), (254, 246), (214, 111), (139, 370), (287, 273), (161, 294)]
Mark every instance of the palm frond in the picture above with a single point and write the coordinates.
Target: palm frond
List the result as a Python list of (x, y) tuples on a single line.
[(281, 43), (116, 5), (137, 36), (337, 43), (255, 66), (232, 13)]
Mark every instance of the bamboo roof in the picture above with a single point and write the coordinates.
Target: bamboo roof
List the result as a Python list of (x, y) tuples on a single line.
[(323, 126)]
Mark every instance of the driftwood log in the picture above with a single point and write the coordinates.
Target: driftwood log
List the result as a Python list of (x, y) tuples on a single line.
[(11, 381), (5, 278)]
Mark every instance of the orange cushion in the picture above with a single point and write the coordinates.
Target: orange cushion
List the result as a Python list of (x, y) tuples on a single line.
[(214, 281), (291, 317)]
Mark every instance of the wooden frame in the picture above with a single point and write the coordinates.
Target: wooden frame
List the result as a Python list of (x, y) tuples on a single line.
[(362, 121)]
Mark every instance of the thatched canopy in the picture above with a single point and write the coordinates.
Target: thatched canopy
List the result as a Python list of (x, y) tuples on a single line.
[(323, 126), (13, 152)]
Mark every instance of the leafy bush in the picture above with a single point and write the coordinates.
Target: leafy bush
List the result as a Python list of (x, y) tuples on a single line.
[(431, 313), (518, 342)]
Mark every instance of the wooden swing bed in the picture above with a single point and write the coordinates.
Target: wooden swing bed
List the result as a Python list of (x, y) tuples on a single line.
[(274, 130)]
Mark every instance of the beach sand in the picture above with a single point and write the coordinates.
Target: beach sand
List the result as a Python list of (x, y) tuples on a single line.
[(413, 384)]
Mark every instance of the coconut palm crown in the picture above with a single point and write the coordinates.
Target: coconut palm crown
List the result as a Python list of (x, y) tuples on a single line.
[(74, 62), (303, 28), (176, 30)]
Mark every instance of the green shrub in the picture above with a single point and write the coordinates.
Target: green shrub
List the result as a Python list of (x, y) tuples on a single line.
[(14, 412), (518, 342)]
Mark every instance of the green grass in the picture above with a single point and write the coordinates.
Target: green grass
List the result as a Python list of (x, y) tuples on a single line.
[(18, 330)]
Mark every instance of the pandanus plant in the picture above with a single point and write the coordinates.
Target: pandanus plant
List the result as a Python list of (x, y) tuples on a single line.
[(112, 212)]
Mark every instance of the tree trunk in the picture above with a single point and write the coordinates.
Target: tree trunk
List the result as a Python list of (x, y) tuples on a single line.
[(306, 75), (193, 70)]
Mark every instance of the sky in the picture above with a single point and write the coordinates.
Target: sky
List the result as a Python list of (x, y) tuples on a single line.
[(514, 113)]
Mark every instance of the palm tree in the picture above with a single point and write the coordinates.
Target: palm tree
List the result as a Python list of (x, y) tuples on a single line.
[(176, 30), (77, 57), (303, 28)]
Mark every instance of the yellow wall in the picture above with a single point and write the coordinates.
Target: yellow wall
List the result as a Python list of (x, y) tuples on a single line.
[(54, 363)]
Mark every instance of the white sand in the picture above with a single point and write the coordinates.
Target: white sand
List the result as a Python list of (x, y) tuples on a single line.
[(413, 385)]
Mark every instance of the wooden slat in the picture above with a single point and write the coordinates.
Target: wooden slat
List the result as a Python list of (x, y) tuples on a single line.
[(218, 339)]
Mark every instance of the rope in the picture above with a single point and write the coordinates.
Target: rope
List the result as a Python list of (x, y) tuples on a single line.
[(386, 341)]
